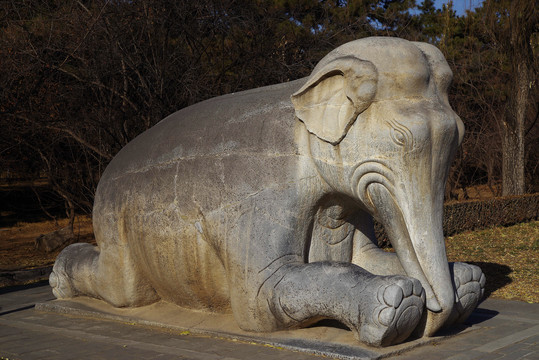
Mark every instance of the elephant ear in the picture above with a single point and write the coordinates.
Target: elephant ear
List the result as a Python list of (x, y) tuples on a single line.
[(334, 96)]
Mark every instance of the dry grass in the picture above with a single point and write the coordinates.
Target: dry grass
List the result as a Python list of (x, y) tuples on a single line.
[(507, 255), (17, 249)]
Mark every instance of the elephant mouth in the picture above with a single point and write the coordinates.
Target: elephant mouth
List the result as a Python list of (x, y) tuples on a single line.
[(414, 231)]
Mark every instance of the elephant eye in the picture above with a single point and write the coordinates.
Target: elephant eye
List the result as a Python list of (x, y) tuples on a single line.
[(400, 134), (398, 137)]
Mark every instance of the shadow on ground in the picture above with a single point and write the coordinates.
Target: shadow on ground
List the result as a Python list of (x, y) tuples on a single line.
[(497, 275)]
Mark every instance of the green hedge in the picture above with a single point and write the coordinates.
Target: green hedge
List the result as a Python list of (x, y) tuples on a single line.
[(479, 214)]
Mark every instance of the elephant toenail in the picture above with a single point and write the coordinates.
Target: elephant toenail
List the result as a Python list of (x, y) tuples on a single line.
[(386, 316), (418, 288), (476, 272), (407, 287), (393, 295), (466, 275), (483, 280)]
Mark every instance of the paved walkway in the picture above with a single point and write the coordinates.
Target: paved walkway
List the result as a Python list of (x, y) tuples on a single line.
[(500, 330)]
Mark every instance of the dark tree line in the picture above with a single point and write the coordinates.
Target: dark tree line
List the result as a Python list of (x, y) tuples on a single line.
[(82, 78)]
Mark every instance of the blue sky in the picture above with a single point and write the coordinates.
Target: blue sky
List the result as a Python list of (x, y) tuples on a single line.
[(460, 6)]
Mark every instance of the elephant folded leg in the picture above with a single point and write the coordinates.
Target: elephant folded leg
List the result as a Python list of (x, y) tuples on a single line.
[(82, 270), (368, 255), (470, 284), (379, 310), (70, 274), (469, 280)]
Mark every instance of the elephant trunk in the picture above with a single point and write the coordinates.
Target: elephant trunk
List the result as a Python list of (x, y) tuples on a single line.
[(415, 231)]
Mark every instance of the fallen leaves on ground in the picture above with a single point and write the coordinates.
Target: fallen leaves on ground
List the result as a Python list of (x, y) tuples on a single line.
[(17, 248)]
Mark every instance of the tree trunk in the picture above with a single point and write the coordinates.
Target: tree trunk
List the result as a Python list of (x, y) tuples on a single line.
[(513, 179)]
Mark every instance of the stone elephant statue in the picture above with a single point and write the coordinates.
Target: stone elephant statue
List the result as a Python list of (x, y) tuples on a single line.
[(261, 203)]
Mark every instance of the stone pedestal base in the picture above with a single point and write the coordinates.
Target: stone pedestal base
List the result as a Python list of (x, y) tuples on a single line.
[(327, 340)]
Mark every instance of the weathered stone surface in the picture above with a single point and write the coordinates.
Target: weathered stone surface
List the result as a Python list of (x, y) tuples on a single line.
[(261, 203)]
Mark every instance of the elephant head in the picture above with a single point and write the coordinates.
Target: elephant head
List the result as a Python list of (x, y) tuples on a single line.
[(382, 132)]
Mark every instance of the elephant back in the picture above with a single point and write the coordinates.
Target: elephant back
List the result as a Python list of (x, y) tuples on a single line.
[(254, 121)]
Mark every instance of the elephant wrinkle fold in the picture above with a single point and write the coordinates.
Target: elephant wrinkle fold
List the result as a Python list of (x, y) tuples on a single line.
[(261, 203)]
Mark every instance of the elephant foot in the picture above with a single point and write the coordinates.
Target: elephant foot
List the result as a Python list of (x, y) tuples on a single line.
[(64, 272), (394, 312), (61, 287), (470, 284)]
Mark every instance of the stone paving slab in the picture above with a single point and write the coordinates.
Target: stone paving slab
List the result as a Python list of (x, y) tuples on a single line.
[(509, 330), (328, 341), (33, 335)]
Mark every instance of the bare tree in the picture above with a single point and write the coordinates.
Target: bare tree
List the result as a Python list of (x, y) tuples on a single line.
[(512, 25)]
